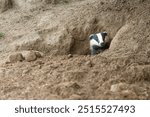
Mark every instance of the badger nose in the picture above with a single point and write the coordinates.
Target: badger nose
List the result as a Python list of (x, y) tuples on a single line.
[(103, 44)]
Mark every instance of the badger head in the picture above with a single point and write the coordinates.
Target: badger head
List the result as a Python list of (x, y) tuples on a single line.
[(97, 42)]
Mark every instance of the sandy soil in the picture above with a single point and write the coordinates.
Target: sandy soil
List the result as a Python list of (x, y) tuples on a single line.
[(44, 53)]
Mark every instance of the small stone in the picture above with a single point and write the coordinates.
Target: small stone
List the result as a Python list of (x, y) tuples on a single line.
[(75, 85), (114, 88), (40, 62), (54, 66), (39, 54), (39, 66), (70, 56), (26, 71), (118, 87), (88, 63), (30, 56), (16, 57), (129, 94), (75, 97)]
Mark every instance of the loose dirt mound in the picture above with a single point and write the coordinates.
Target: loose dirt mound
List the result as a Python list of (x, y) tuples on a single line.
[(58, 32)]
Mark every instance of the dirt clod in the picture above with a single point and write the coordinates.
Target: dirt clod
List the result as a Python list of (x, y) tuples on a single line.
[(88, 64), (16, 57), (70, 56), (30, 56)]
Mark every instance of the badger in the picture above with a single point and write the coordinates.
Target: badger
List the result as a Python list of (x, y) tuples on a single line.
[(97, 42)]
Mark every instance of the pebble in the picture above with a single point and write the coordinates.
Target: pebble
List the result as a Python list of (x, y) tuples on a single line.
[(30, 56), (129, 94), (118, 87), (75, 97), (40, 62), (16, 57), (89, 64), (70, 56)]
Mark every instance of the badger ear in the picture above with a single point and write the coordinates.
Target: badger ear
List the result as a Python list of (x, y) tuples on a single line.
[(91, 36), (105, 33)]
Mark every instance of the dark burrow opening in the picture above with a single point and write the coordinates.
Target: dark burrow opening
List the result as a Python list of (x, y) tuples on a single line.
[(81, 44)]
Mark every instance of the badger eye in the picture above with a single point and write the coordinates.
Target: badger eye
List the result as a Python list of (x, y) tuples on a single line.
[(104, 34), (91, 36)]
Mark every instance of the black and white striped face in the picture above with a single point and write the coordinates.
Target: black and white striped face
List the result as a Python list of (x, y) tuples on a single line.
[(97, 42), (98, 39)]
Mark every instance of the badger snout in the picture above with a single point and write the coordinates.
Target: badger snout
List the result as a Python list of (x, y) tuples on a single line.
[(102, 44)]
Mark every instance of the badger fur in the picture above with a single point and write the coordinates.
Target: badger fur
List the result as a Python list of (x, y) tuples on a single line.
[(97, 42)]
